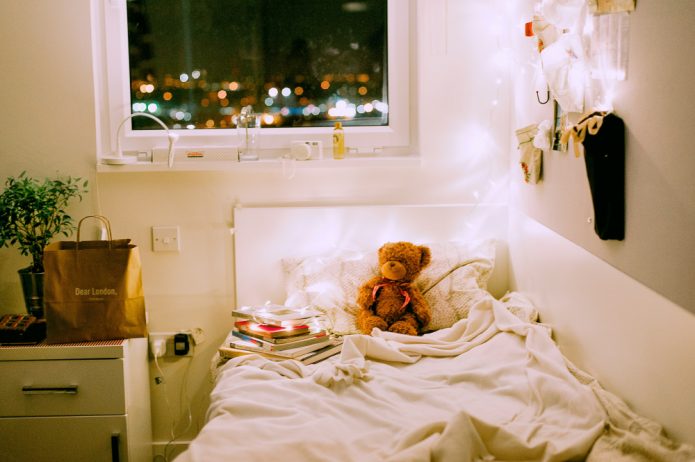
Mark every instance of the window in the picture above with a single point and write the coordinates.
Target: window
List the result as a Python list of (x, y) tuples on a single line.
[(303, 65), (196, 64)]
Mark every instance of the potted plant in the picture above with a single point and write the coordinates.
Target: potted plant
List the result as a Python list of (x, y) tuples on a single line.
[(31, 214)]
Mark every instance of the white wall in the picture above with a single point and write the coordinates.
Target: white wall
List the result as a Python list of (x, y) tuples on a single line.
[(632, 331), (635, 342), (47, 126), (659, 247)]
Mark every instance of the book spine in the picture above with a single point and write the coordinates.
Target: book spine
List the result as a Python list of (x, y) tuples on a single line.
[(270, 335), (256, 335), (320, 355), (306, 341), (285, 354), (261, 351), (258, 342), (258, 319), (268, 319), (279, 346)]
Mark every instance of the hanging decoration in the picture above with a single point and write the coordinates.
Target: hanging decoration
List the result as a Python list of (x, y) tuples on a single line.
[(604, 156), (530, 157), (582, 47), (611, 6), (543, 137)]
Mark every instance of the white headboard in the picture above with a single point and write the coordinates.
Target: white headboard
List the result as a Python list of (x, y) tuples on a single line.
[(265, 235)]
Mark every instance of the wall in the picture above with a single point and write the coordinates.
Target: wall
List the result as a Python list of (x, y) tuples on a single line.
[(604, 321), (47, 126), (660, 218), (622, 311)]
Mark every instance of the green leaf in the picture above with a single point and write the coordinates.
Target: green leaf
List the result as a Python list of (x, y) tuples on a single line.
[(32, 212)]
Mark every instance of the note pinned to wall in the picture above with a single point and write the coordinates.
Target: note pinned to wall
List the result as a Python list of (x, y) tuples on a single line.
[(611, 6)]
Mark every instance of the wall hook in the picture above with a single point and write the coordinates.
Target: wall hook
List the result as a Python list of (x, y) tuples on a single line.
[(547, 97)]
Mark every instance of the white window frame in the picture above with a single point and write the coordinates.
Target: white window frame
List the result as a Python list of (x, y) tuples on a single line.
[(112, 90)]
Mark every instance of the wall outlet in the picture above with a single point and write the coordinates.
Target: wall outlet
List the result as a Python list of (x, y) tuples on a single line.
[(171, 344)]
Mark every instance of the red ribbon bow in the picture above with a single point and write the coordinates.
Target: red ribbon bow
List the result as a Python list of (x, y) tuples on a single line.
[(389, 282)]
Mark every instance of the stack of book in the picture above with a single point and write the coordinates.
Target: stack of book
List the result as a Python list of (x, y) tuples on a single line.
[(279, 333)]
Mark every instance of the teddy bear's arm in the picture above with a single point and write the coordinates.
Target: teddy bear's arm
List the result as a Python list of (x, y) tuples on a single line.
[(364, 296), (365, 318), (420, 307)]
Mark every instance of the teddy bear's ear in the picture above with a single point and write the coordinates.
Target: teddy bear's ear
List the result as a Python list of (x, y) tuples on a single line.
[(382, 249), (425, 256)]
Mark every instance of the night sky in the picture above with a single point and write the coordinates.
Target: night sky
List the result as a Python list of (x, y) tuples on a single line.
[(317, 36)]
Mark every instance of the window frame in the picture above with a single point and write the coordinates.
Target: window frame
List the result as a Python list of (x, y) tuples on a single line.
[(112, 96)]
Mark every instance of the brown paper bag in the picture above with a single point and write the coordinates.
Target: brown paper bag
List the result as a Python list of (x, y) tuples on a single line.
[(93, 290)]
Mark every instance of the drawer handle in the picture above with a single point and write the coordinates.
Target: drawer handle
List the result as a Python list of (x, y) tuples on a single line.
[(115, 442), (67, 390)]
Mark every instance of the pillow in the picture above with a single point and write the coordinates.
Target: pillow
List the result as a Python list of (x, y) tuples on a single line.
[(455, 279), (520, 306), (330, 283)]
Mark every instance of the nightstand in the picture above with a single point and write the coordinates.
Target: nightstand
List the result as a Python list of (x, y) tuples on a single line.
[(75, 402)]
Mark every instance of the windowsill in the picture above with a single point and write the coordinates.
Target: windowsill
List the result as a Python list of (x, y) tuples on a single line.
[(264, 164)]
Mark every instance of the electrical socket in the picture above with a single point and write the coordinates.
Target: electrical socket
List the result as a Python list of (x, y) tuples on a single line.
[(156, 339)]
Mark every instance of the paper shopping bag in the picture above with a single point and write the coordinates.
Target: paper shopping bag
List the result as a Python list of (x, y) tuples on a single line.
[(93, 290)]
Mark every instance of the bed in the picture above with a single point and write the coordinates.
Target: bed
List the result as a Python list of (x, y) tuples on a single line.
[(487, 382)]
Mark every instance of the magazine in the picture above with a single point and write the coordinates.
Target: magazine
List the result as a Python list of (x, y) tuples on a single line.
[(270, 331), (333, 348), (303, 340), (278, 315), (280, 340), (286, 354)]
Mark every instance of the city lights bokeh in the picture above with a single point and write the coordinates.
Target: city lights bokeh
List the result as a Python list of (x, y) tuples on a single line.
[(332, 66)]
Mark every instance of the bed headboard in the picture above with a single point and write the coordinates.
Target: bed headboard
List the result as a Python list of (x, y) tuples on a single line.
[(265, 235)]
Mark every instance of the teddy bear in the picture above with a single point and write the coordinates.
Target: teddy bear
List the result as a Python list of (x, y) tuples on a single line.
[(391, 300)]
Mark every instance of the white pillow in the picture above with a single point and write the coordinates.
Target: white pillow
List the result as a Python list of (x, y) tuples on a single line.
[(455, 279), (520, 306), (330, 283)]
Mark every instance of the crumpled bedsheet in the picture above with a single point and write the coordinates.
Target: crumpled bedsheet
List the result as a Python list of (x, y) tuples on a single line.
[(492, 387)]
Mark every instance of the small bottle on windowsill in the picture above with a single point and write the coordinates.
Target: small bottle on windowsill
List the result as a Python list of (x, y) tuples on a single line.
[(338, 141)]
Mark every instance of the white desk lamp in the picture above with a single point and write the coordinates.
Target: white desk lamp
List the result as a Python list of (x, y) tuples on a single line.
[(120, 159)]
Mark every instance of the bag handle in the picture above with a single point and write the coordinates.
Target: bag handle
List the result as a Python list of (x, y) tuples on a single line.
[(104, 221)]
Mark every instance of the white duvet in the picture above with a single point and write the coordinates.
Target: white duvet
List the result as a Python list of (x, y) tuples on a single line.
[(492, 387)]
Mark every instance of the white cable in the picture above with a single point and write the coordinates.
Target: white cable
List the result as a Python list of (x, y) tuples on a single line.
[(119, 158), (166, 401), (183, 397)]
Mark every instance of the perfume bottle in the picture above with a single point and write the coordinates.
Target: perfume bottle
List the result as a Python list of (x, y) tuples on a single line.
[(338, 141)]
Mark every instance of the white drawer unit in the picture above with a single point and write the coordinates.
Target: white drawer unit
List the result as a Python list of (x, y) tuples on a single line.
[(82, 402)]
